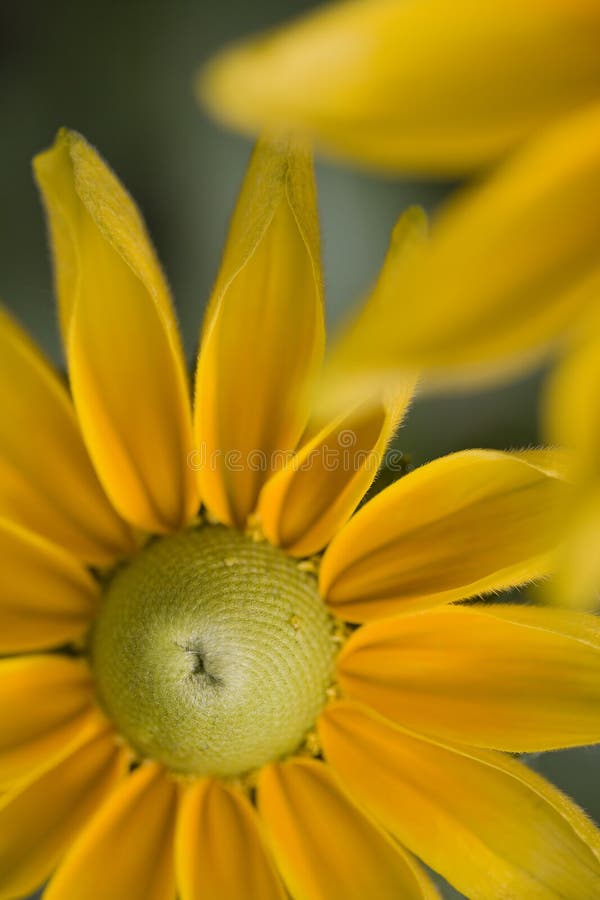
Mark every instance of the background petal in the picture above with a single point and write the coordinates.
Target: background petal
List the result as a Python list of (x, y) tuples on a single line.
[(510, 269), (125, 362), (219, 849), (328, 848), (413, 85), (486, 822), (466, 524), (263, 335), (508, 677)]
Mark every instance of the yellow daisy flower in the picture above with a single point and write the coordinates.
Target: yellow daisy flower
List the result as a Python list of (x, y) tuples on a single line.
[(186, 711), (414, 85)]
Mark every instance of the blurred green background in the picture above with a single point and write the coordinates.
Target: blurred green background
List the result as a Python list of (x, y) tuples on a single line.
[(121, 73)]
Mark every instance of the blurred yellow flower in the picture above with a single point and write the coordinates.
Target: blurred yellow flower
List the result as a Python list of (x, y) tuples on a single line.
[(186, 712), (419, 86)]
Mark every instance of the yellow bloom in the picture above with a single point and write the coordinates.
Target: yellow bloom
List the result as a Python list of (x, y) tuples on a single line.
[(189, 713), (414, 85)]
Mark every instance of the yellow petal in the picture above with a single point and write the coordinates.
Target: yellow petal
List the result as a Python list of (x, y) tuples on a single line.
[(46, 707), (413, 85), (126, 851), (351, 372), (325, 846), (571, 410), (308, 501), (40, 821), (219, 849), (126, 365), (47, 482), (572, 418), (47, 598), (263, 335), (510, 267), (492, 827), (508, 677), (576, 582), (466, 524)]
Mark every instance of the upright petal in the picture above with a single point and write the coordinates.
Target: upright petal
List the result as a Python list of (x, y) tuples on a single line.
[(47, 598), (47, 482), (571, 410), (492, 827), (325, 846), (307, 502), (511, 266), (502, 676), (466, 524), (126, 365), (414, 85), (40, 820), (46, 708), (219, 848), (352, 373), (127, 848), (572, 418), (263, 336)]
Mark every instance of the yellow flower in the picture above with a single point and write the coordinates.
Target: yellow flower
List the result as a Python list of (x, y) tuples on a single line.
[(414, 85), (184, 709)]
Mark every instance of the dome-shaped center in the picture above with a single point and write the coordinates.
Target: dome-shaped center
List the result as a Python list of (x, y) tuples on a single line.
[(213, 653)]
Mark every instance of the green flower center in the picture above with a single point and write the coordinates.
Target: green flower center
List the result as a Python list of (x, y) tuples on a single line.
[(213, 653)]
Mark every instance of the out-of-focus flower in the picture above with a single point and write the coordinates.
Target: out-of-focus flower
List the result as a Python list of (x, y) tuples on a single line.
[(186, 711), (423, 86)]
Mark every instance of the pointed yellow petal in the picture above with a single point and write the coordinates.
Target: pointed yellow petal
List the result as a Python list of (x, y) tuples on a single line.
[(47, 598), (40, 821), (413, 85), (466, 524), (126, 851), (308, 501), (126, 365), (576, 583), (352, 372), (219, 849), (326, 847), (571, 409), (510, 267), (508, 677), (486, 822), (263, 335), (46, 705), (47, 482), (572, 418)]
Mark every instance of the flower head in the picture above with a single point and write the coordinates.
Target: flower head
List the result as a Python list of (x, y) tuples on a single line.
[(265, 694)]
